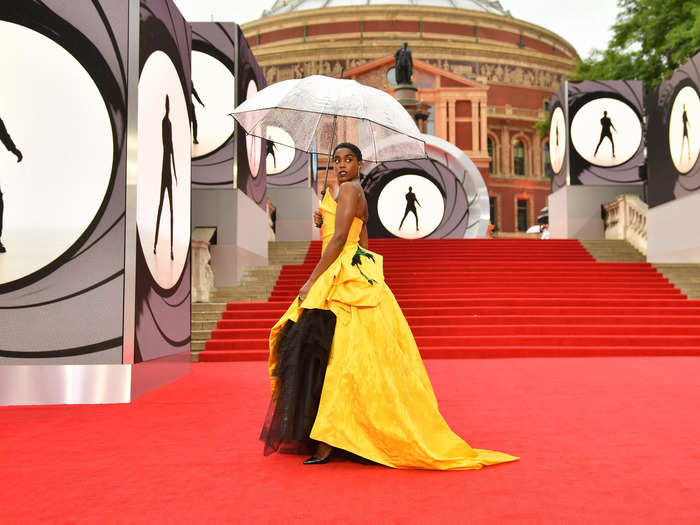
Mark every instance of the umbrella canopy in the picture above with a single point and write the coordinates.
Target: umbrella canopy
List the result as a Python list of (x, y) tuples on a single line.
[(318, 112)]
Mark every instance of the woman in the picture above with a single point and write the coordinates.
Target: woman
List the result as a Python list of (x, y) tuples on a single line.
[(344, 367)]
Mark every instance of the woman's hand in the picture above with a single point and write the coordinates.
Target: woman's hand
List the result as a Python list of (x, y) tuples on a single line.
[(304, 290), (318, 219)]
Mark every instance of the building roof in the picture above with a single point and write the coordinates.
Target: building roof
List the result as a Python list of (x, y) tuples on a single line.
[(290, 6)]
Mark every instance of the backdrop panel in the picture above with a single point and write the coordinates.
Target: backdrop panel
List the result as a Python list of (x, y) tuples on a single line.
[(162, 292), (674, 135), (559, 138), (62, 177), (251, 152), (214, 52), (441, 196), (606, 144)]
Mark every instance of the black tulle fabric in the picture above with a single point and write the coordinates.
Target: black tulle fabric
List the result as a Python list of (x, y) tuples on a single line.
[(303, 350)]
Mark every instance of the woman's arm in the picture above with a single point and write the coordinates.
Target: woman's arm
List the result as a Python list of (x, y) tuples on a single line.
[(348, 200)]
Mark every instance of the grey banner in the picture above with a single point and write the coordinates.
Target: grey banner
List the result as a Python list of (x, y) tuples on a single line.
[(71, 307)]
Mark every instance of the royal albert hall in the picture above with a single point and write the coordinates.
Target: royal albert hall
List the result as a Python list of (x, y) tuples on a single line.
[(483, 77)]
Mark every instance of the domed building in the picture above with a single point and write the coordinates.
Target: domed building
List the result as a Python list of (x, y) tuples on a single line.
[(483, 77)]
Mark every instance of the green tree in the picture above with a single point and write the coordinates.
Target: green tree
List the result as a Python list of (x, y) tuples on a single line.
[(651, 38)]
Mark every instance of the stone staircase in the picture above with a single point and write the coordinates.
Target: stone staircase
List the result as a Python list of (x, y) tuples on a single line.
[(685, 277), (258, 281), (610, 250), (256, 284)]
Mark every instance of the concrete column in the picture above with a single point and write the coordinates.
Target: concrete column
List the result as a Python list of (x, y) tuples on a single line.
[(476, 139), (484, 126), (506, 166), (537, 156), (441, 120)]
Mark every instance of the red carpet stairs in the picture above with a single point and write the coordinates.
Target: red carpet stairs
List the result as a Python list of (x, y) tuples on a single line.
[(493, 298)]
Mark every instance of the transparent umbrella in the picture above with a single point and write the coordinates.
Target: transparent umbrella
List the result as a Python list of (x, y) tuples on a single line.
[(319, 112)]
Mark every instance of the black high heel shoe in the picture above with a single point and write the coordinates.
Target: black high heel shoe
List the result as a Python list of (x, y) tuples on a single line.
[(317, 461)]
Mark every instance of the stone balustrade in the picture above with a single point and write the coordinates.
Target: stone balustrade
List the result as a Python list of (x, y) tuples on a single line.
[(510, 111), (202, 273), (626, 219)]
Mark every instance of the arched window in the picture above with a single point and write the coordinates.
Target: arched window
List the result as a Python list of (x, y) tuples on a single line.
[(519, 157), (492, 153)]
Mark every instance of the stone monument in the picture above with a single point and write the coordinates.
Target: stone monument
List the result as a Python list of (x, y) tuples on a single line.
[(403, 65), (406, 91)]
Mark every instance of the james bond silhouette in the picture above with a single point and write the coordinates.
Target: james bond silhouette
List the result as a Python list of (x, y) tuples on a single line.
[(271, 150), (194, 114), (411, 201), (166, 181), (606, 124), (686, 125), (10, 145)]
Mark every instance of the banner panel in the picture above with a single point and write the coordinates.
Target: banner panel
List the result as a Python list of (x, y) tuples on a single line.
[(674, 135), (164, 183), (606, 139), (213, 98), (251, 152), (62, 179)]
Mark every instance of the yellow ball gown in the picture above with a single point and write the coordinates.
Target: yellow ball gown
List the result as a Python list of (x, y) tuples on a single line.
[(376, 401)]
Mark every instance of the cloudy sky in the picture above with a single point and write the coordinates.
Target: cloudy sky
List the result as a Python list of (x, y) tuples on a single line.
[(585, 24)]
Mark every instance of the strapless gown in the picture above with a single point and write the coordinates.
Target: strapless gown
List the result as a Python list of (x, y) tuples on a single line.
[(375, 399)]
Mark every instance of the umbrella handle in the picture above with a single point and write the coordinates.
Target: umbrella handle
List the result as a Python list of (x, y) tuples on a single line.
[(328, 162)]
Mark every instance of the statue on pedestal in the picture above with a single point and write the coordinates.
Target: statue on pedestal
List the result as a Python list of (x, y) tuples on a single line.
[(404, 65)]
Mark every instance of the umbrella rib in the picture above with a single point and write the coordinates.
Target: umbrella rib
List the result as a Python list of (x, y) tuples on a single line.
[(313, 134), (374, 139), (372, 136)]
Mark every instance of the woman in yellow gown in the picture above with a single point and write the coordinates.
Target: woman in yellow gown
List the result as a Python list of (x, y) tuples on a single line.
[(345, 370)]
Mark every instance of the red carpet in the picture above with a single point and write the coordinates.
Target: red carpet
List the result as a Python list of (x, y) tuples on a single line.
[(498, 298), (601, 440)]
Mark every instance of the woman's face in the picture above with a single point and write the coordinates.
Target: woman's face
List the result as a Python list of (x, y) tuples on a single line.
[(346, 165)]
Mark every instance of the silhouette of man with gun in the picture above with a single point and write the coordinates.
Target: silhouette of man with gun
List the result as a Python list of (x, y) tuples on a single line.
[(10, 145), (686, 137), (411, 201), (194, 114), (607, 125), (167, 173)]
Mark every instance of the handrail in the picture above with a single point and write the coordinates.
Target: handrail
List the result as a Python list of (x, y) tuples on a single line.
[(626, 219)]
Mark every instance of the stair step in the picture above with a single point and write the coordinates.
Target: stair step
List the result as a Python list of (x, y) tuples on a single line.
[(204, 325), (418, 320), (494, 352), (208, 307), (487, 331)]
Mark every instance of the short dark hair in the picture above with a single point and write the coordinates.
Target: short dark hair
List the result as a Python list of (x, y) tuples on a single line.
[(351, 147)]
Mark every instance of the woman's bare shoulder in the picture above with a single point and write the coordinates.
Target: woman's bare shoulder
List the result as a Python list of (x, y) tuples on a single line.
[(350, 192)]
